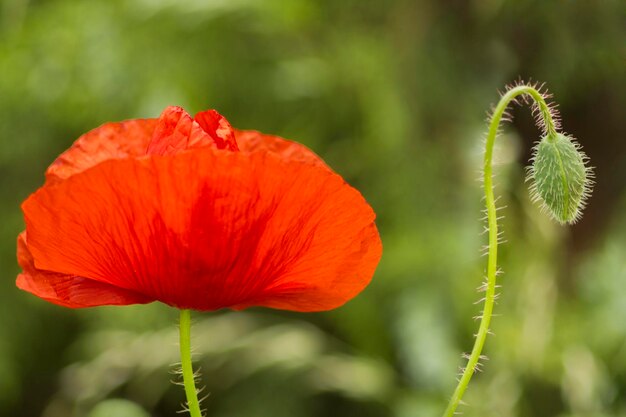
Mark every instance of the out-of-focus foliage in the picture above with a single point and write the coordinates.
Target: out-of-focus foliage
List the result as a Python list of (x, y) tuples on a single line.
[(392, 94)]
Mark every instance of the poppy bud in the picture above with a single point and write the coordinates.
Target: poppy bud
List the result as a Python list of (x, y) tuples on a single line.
[(560, 178)]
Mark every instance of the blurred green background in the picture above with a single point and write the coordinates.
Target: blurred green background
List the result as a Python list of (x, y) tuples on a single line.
[(393, 95)]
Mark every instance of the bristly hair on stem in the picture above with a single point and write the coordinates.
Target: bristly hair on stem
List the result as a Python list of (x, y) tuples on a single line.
[(189, 376), (560, 179)]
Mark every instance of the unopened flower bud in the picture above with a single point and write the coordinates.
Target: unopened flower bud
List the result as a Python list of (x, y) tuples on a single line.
[(560, 178)]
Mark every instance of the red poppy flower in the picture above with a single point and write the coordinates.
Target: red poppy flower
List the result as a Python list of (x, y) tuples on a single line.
[(197, 215)]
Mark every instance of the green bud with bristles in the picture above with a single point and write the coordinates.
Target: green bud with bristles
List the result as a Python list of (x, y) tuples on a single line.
[(560, 178)]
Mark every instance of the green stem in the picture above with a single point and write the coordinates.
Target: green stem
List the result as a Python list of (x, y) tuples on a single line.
[(492, 262), (185, 359)]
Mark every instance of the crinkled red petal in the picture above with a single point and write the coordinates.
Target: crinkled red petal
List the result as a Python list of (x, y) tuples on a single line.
[(176, 131), (216, 126), (109, 141), (250, 141), (209, 229), (68, 290)]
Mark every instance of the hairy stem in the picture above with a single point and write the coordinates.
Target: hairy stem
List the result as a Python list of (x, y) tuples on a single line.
[(193, 404), (492, 262)]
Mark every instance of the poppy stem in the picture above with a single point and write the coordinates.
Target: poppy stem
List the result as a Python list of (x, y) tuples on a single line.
[(193, 405), (546, 115)]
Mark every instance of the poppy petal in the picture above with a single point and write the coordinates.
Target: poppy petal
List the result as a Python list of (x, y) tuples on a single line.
[(175, 132), (209, 229), (252, 141), (324, 279), (68, 290), (109, 141), (216, 126)]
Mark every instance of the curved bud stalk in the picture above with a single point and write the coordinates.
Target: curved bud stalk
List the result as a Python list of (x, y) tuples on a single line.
[(560, 179)]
